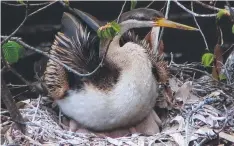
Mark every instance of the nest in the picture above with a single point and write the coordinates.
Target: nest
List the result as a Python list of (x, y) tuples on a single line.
[(201, 111)]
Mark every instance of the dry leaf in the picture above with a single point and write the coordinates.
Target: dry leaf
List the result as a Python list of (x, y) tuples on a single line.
[(192, 98), (21, 104), (199, 117), (174, 84), (179, 139), (141, 141), (180, 121), (183, 93), (205, 131), (211, 110), (130, 143), (114, 141), (227, 136)]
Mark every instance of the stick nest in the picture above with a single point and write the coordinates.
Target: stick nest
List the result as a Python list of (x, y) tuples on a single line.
[(201, 111)]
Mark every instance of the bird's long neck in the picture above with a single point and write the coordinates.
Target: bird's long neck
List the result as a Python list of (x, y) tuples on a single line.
[(124, 58)]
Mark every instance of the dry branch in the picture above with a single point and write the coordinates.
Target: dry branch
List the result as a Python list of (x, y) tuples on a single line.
[(11, 107), (207, 6), (193, 13)]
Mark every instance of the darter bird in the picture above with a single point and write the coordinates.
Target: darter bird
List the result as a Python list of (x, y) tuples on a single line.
[(123, 92)]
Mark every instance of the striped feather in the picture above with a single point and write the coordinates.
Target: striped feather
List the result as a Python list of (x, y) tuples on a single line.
[(74, 47)]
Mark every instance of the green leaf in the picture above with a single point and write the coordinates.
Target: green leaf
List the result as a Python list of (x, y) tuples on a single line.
[(233, 29), (99, 33), (21, 2), (221, 13), (115, 26), (109, 31), (133, 4), (207, 59), (222, 77), (66, 2), (12, 51)]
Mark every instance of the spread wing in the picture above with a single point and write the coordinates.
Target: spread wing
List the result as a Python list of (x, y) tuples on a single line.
[(73, 46)]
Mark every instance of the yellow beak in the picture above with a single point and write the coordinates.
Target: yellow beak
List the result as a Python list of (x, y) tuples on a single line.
[(162, 22)]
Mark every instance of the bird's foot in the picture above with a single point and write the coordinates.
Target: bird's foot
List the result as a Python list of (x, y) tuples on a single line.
[(149, 126)]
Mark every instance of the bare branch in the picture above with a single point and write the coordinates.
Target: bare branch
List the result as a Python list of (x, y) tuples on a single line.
[(57, 61), (150, 4), (161, 34), (19, 5), (121, 11), (26, 16), (42, 8), (22, 23), (203, 36), (207, 6), (231, 11), (11, 107), (193, 13)]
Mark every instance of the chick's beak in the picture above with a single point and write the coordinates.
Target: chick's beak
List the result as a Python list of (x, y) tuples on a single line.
[(162, 22)]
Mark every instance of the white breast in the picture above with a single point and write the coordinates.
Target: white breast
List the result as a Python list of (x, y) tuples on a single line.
[(131, 99)]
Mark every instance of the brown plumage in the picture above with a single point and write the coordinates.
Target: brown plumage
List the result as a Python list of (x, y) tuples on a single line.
[(120, 94)]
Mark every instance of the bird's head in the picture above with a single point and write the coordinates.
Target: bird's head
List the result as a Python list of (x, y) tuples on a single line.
[(144, 17), (153, 18)]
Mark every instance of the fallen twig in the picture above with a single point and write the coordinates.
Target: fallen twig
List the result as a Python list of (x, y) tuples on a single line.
[(206, 101)]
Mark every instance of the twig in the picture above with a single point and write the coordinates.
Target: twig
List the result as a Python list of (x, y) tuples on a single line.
[(13, 33), (203, 36), (20, 77), (204, 72), (150, 4), (172, 59), (26, 16), (18, 5), (60, 63), (38, 104), (32, 141), (162, 9), (203, 142), (206, 101), (20, 94), (207, 6), (193, 13), (226, 120), (221, 36), (13, 85), (162, 31), (231, 11), (42, 8), (11, 107), (121, 11)]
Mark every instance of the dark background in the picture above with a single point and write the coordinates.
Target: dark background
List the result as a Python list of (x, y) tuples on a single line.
[(42, 27)]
